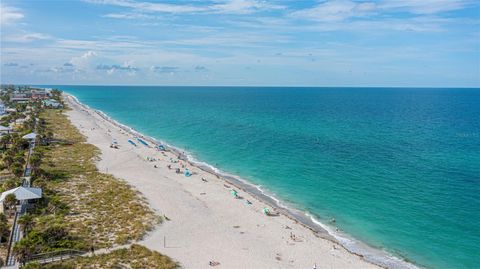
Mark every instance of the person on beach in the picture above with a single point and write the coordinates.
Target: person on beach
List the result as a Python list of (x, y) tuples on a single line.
[(213, 263)]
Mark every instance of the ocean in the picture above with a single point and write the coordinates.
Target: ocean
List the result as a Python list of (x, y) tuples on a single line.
[(397, 168)]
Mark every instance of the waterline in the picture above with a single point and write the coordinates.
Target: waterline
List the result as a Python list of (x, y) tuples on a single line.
[(371, 254)]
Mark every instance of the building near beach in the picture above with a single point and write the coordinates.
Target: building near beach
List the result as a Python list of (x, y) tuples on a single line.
[(21, 194), (20, 97), (52, 103), (40, 94)]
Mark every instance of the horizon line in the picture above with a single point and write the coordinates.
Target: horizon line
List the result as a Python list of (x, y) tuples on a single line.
[(247, 86)]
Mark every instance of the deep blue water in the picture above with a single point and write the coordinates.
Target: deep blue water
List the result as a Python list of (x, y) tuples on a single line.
[(397, 168)]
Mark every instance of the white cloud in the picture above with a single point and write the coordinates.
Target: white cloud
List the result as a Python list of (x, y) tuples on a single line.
[(243, 6), (110, 69), (422, 24), (83, 61), (164, 69), (128, 16), (336, 10), (340, 10), (88, 54), (150, 7), (27, 37), (220, 6), (9, 15), (425, 6)]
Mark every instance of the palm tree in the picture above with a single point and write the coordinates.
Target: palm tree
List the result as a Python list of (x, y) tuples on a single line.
[(10, 202), (10, 184), (26, 222), (23, 249), (35, 161), (17, 169), (4, 228), (7, 159), (4, 141)]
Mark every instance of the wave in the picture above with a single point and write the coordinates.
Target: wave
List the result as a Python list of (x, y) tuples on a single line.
[(371, 254)]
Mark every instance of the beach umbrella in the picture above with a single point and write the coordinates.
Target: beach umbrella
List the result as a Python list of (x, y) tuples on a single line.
[(266, 211), (234, 193)]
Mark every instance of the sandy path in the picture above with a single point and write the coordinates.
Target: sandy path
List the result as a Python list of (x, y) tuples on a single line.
[(206, 222)]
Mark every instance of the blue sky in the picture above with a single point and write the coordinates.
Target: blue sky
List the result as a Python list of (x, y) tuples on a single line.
[(426, 43)]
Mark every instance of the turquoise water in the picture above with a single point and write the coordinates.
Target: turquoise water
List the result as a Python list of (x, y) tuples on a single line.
[(397, 168)]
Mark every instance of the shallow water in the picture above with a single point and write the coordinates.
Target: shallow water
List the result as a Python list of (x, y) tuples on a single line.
[(397, 168)]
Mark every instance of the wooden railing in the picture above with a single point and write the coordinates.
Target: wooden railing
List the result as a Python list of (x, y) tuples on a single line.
[(10, 260), (54, 256)]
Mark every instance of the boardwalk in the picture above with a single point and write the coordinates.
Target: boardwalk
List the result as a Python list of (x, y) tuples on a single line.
[(62, 255), (16, 234)]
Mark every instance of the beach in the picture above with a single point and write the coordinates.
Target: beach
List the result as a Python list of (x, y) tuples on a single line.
[(204, 222)]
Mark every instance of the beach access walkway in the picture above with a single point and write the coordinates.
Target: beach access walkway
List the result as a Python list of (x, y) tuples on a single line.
[(16, 233), (62, 255)]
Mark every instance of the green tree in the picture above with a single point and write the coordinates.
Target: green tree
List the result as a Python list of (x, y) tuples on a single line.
[(26, 222), (10, 201), (35, 161), (17, 169), (19, 158), (10, 184), (8, 156), (4, 228), (4, 141), (23, 249)]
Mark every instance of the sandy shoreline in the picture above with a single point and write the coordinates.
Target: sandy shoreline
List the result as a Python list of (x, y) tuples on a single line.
[(206, 222)]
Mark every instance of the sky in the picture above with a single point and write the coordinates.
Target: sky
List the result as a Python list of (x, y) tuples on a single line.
[(396, 43)]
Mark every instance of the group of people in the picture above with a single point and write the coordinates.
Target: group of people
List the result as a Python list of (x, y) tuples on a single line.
[(114, 146)]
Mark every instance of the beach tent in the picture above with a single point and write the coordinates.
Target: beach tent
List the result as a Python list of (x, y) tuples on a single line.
[(30, 136), (23, 193)]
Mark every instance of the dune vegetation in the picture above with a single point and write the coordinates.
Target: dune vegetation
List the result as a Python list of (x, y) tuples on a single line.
[(97, 208), (81, 207), (135, 257)]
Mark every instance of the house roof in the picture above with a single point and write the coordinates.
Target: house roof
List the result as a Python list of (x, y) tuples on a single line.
[(22, 193), (30, 136), (3, 128)]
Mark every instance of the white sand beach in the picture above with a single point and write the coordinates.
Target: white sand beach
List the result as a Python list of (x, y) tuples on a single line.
[(206, 223)]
